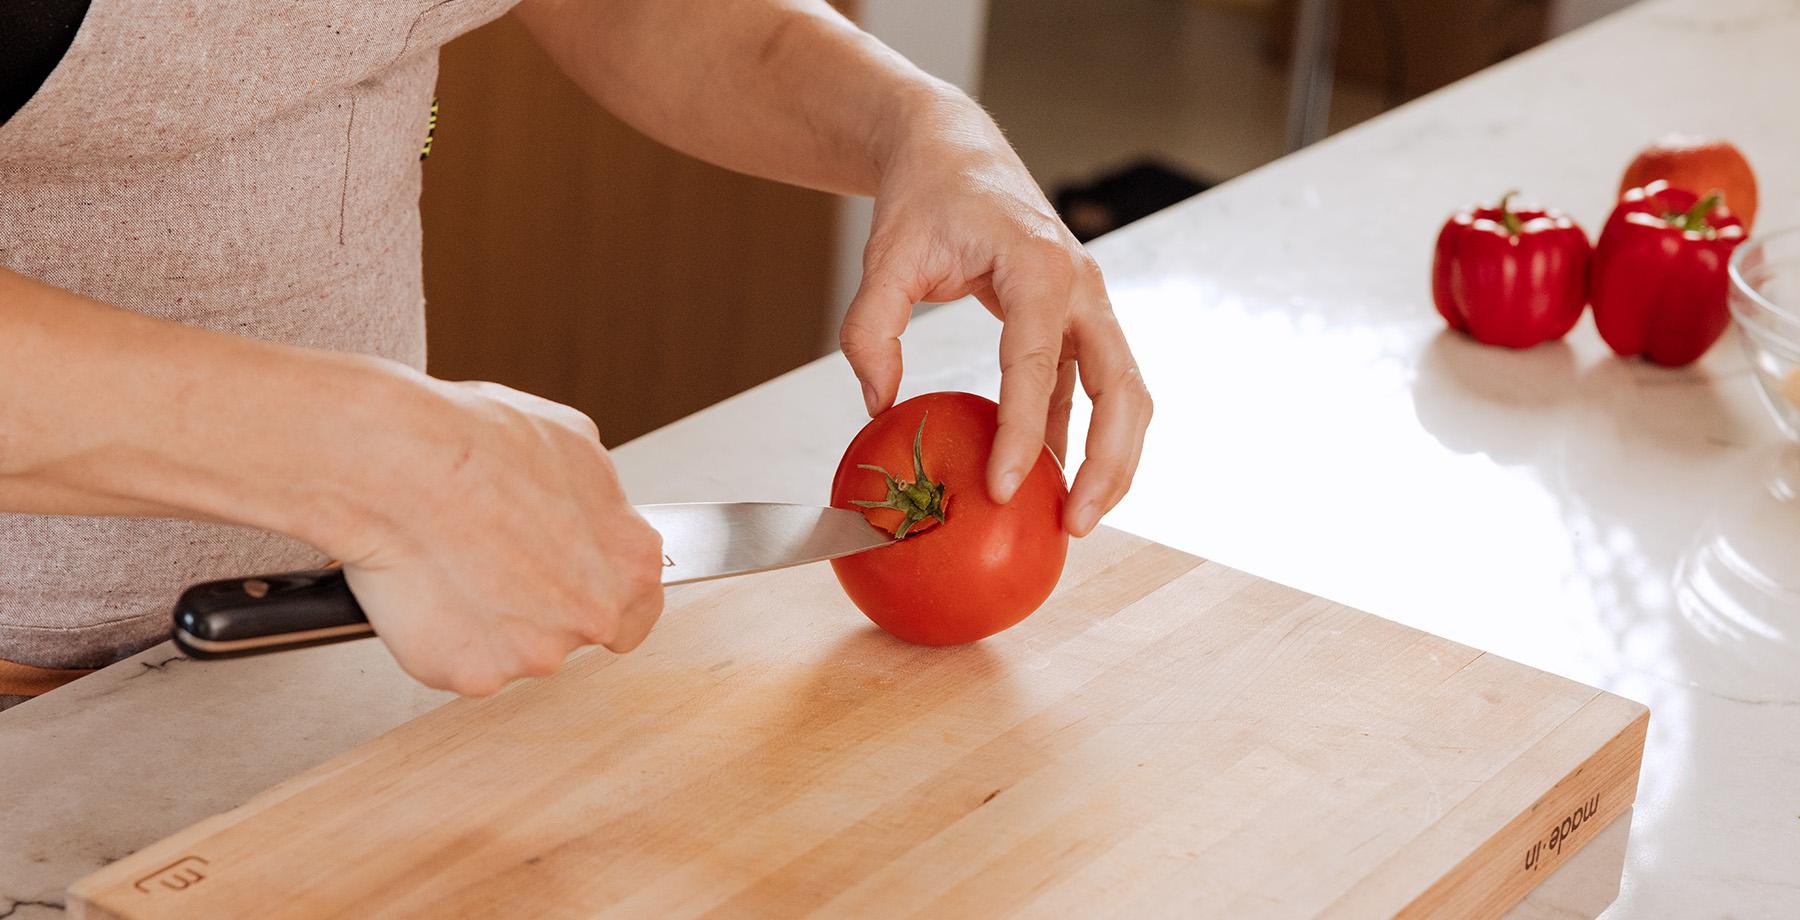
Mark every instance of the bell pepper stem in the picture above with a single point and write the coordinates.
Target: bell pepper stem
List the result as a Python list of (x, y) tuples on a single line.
[(1508, 218), (1695, 218)]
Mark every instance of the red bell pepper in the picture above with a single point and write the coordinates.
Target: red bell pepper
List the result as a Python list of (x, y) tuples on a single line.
[(1510, 277), (1660, 282)]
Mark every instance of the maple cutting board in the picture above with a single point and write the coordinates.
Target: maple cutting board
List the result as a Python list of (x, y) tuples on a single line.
[(1165, 737)]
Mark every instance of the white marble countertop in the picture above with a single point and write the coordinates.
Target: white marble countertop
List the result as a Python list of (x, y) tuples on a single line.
[(1634, 528)]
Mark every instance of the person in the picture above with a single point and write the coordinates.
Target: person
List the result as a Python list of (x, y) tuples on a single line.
[(211, 318)]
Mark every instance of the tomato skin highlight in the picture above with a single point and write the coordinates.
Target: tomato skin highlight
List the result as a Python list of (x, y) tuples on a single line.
[(1700, 165), (987, 566)]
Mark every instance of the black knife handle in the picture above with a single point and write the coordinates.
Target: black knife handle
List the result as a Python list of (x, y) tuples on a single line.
[(268, 613)]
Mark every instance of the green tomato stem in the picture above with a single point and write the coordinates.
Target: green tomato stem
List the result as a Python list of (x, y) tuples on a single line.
[(916, 500)]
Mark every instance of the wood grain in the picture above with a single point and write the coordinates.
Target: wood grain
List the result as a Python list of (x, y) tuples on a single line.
[(1166, 737)]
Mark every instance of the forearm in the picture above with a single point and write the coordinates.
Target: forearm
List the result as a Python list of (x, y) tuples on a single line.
[(104, 411), (784, 89)]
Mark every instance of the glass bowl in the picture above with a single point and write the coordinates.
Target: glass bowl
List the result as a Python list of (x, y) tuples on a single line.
[(1765, 299)]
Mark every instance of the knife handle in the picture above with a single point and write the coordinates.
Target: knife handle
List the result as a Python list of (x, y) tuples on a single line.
[(268, 613)]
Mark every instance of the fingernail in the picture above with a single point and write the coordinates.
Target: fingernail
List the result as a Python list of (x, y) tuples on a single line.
[(1086, 517), (1009, 483), (869, 397)]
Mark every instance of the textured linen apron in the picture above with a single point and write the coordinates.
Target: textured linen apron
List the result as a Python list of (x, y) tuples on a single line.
[(241, 166)]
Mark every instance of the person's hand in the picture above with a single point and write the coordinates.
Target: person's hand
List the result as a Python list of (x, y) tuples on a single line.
[(501, 541), (957, 214)]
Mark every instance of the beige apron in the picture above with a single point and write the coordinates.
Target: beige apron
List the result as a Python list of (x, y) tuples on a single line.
[(237, 165)]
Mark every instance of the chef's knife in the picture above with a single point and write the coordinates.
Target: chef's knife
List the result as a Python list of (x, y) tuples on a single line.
[(701, 541)]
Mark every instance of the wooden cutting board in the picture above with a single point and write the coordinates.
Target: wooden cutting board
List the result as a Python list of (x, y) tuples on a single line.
[(1165, 737)]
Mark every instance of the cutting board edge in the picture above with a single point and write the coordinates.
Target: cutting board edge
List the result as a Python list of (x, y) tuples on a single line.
[(83, 910), (1609, 776), (86, 897)]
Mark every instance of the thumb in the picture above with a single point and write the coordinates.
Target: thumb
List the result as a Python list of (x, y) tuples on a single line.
[(870, 338)]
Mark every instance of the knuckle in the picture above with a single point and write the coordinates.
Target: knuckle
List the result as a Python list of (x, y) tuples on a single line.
[(850, 337), (646, 578), (1056, 262), (1039, 361), (653, 604), (541, 663), (625, 644), (856, 338), (486, 389), (574, 420), (893, 251), (1140, 392), (475, 685), (603, 632), (436, 680), (1085, 264), (588, 426), (649, 538), (600, 618), (1114, 483), (601, 625), (1124, 488), (649, 605), (644, 560), (540, 655), (1096, 315), (884, 241), (636, 624)]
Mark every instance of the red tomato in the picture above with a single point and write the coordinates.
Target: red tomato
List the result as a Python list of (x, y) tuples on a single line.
[(1699, 165), (983, 566)]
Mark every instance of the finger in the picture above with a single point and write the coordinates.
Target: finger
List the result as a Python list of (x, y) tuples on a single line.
[(1062, 403), (1122, 410), (641, 579), (576, 421), (870, 337), (481, 673), (1031, 346), (636, 622), (541, 653), (985, 294)]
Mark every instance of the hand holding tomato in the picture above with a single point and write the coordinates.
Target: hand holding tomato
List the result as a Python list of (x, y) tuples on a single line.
[(966, 566), (957, 214)]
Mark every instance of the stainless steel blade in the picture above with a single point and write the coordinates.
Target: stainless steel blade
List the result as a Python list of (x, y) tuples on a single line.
[(704, 540)]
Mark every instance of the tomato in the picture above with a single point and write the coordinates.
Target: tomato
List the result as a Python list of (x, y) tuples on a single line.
[(964, 567), (1700, 165)]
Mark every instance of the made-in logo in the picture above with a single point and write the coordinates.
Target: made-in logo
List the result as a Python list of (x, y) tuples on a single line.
[(1562, 831), (180, 875)]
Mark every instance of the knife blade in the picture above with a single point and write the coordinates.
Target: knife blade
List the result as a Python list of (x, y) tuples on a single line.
[(707, 540), (259, 614)]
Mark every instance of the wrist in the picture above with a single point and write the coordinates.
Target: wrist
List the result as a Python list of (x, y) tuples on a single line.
[(932, 119), (112, 413), (366, 443), (297, 441)]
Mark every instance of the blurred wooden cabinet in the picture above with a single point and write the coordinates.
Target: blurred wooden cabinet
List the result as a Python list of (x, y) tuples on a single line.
[(571, 257), (1411, 47)]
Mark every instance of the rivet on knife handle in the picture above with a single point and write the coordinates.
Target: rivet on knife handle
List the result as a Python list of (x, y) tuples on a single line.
[(268, 613)]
